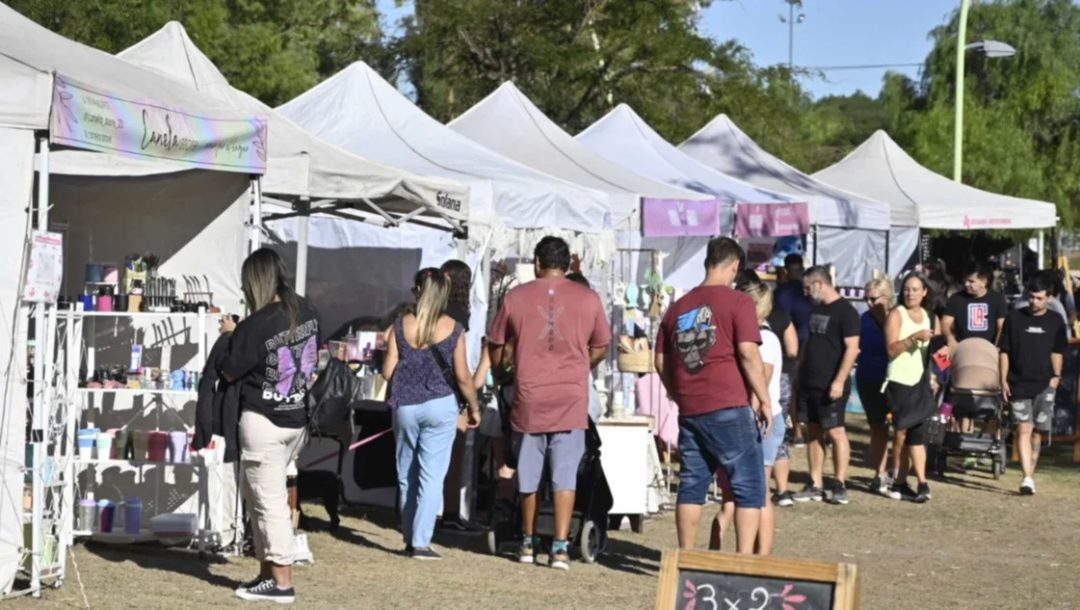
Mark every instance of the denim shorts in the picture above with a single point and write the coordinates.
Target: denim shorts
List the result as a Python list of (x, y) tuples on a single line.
[(772, 446), (728, 439)]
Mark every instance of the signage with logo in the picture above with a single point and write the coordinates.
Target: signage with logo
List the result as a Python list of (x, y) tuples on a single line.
[(98, 120), (685, 218), (771, 219)]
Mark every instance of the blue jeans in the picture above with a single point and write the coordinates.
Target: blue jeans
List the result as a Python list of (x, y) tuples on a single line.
[(425, 435), (727, 438)]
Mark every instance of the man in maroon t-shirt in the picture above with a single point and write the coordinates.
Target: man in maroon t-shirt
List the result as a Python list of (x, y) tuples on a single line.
[(559, 332), (707, 355)]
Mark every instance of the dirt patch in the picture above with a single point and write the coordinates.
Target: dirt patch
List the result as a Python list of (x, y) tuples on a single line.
[(975, 545)]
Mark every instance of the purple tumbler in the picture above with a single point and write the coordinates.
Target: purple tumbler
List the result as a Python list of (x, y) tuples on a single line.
[(107, 511), (178, 444), (132, 515)]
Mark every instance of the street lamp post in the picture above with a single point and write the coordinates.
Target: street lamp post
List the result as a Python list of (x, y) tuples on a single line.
[(791, 20), (990, 48)]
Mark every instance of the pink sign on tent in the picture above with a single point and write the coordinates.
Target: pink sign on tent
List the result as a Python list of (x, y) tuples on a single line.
[(771, 219), (683, 217)]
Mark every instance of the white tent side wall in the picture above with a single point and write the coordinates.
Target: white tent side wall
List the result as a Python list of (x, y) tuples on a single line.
[(17, 176)]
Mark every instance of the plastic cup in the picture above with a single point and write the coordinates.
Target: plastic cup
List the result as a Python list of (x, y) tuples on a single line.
[(104, 445)]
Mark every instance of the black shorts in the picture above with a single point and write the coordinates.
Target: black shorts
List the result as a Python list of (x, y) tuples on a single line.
[(815, 407), (873, 399)]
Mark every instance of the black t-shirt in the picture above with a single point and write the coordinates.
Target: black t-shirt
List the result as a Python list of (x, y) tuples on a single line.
[(273, 368), (829, 326), (458, 314), (976, 316), (1030, 340)]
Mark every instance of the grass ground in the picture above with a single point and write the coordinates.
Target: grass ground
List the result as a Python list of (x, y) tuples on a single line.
[(977, 544)]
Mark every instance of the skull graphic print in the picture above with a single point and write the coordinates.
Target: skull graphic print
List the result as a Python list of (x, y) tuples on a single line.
[(695, 334)]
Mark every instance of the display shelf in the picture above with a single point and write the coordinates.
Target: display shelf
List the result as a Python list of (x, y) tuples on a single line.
[(94, 391), (119, 462), (144, 535), (142, 314)]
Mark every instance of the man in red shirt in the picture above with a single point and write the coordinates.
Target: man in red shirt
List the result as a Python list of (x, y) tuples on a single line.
[(559, 332), (707, 355)]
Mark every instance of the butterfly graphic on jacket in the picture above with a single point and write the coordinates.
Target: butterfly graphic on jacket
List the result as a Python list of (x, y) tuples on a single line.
[(288, 366)]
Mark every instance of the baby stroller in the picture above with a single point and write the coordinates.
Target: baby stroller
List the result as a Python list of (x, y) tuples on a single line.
[(974, 393), (588, 525)]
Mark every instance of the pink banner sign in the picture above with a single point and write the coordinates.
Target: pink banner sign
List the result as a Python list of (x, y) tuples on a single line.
[(684, 218), (771, 219), (86, 118)]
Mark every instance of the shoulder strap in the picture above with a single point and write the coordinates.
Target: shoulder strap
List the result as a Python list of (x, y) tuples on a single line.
[(444, 366)]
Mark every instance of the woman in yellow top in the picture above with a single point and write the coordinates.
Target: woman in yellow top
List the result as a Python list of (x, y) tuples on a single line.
[(907, 335)]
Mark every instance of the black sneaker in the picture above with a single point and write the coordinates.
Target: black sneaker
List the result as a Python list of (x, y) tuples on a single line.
[(810, 493), (785, 499), (251, 584), (923, 495), (839, 495), (268, 591), (409, 550), (902, 491), (427, 554)]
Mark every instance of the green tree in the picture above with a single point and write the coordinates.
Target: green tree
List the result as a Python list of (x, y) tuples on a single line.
[(576, 59), (272, 49), (1022, 114)]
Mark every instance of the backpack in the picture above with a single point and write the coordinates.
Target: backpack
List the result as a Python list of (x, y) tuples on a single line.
[(330, 398)]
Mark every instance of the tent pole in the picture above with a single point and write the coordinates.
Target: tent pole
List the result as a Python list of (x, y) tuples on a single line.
[(255, 237), (303, 206), (37, 426), (1042, 247), (813, 256), (887, 236)]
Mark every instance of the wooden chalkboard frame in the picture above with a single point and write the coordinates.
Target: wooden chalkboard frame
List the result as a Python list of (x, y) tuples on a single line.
[(845, 576)]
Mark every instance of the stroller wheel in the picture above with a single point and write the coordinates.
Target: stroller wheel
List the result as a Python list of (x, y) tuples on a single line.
[(998, 468), (492, 541), (589, 542)]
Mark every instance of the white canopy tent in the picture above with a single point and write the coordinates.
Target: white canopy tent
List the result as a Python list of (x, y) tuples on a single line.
[(95, 93), (306, 176), (509, 123), (624, 138), (359, 111), (922, 199), (851, 230)]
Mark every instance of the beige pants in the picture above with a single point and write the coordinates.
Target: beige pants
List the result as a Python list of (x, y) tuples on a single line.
[(265, 453)]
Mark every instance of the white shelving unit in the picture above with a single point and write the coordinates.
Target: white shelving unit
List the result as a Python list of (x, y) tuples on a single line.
[(192, 326)]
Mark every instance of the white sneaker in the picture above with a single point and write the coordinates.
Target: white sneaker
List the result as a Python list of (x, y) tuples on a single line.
[(1027, 487), (303, 551)]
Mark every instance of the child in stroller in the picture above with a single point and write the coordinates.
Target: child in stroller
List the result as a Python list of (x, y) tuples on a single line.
[(974, 393)]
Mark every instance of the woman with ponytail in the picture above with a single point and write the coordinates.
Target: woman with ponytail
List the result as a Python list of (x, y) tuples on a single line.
[(427, 368), (272, 356)]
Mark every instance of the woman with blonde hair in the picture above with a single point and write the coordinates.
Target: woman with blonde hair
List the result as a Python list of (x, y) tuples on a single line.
[(870, 372), (772, 446), (427, 368), (272, 357)]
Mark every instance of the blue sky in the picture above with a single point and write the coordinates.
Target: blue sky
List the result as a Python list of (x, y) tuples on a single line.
[(834, 33)]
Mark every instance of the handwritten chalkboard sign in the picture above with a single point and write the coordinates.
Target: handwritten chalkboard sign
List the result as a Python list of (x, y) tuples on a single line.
[(702, 580)]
